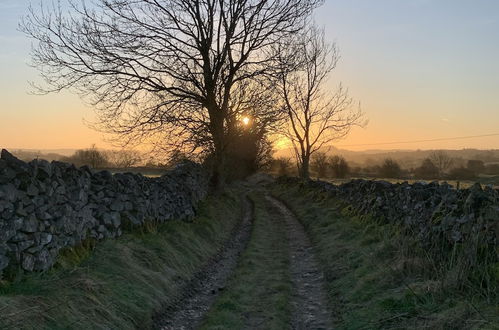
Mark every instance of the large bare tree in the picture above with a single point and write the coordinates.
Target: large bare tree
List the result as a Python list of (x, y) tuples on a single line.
[(156, 68), (317, 114)]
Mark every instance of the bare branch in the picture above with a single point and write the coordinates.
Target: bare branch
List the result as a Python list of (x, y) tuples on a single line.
[(162, 68), (316, 116)]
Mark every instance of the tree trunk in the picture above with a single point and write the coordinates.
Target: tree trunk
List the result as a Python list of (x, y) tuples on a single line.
[(218, 176), (305, 167)]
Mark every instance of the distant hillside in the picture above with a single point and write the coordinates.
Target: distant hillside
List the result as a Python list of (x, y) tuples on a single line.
[(50, 155)]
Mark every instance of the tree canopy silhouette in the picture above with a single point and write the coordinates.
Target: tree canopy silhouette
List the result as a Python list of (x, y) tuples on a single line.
[(165, 70)]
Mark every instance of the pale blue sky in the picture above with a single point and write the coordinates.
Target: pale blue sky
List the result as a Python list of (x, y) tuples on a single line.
[(422, 69)]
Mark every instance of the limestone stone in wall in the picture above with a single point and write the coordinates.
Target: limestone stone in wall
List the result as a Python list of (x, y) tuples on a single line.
[(429, 211), (45, 207)]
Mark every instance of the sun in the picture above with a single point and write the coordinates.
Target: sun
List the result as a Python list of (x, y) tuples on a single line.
[(246, 121)]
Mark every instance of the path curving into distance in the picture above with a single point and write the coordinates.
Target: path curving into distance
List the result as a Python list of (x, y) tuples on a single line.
[(310, 308), (200, 293)]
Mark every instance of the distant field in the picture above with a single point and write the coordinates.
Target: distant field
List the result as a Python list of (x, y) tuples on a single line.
[(145, 171)]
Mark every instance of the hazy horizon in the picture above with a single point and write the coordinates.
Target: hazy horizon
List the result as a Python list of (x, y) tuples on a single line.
[(421, 69), (332, 149)]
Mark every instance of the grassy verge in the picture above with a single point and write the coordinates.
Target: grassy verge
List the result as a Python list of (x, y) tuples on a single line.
[(378, 278), (258, 294), (118, 284)]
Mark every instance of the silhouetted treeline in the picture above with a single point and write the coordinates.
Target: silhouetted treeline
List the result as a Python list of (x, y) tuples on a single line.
[(428, 170), (96, 158), (413, 158), (439, 165)]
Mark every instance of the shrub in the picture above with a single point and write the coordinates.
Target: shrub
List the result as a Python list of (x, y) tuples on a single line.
[(320, 164), (283, 166), (390, 169), (476, 166), (91, 157), (427, 170)]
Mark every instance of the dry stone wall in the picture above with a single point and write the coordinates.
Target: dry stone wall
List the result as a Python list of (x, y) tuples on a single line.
[(433, 212), (45, 207)]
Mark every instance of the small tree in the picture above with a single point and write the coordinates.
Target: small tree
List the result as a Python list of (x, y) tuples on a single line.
[(390, 169), (91, 157), (264, 156), (427, 170), (441, 160), (339, 167), (320, 164), (316, 115), (283, 166), (123, 158)]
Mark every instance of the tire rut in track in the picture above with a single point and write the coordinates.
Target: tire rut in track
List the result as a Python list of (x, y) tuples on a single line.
[(309, 304), (200, 293)]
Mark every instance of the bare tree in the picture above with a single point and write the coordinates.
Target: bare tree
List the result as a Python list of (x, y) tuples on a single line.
[(320, 164), (427, 170), (441, 160), (316, 115), (123, 158), (339, 167), (390, 168), (162, 69), (92, 157)]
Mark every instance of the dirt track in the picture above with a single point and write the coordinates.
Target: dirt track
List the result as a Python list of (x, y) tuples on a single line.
[(308, 302), (200, 293)]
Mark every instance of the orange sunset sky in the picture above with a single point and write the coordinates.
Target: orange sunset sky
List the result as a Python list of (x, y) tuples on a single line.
[(421, 69)]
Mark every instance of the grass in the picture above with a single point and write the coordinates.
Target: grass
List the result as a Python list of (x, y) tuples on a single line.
[(258, 294), (119, 284), (378, 278)]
